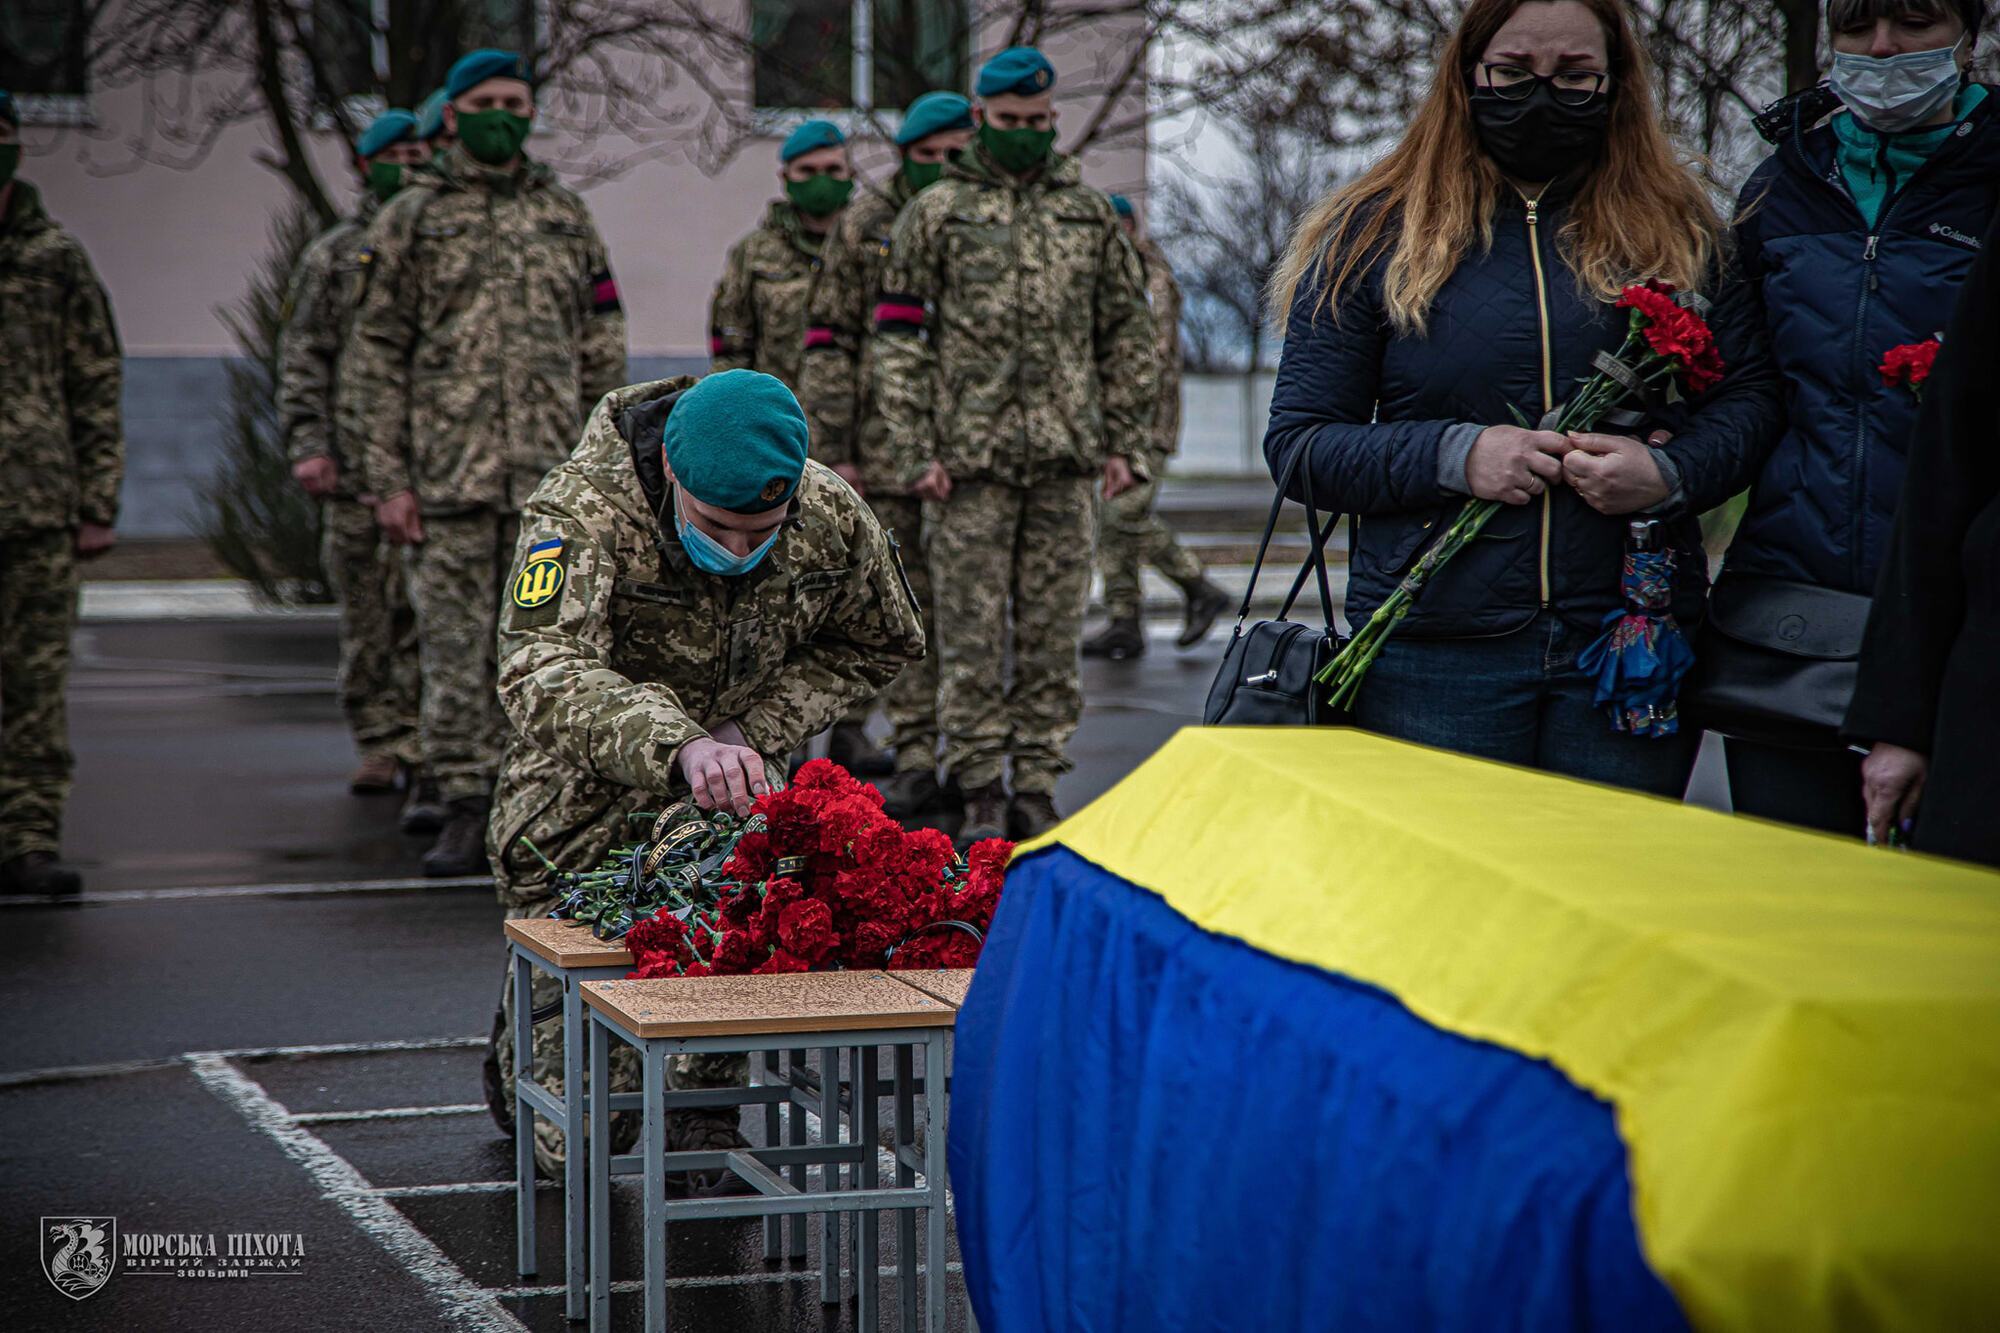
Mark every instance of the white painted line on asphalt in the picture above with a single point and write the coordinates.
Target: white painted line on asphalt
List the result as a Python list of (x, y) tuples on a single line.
[(340, 1048), (304, 889), (466, 1304), (69, 1073), (468, 1187), (385, 1113)]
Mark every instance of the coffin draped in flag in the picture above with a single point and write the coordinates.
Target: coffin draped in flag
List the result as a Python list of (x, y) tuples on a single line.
[(1309, 1029)]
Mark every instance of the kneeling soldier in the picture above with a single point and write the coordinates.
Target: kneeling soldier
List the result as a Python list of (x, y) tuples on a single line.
[(692, 600)]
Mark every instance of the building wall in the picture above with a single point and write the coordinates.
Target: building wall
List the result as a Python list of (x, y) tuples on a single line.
[(174, 245)]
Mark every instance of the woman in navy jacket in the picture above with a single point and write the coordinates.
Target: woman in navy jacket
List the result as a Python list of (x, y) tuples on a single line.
[(1858, 231), (1467, 278)]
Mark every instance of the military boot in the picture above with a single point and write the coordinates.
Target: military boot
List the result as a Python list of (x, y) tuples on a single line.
[(424, 810), (461, 848), (848, 745), (375, 774), (38, 875), (1032, 815), (705, 1131), (1120, 641), (911, 794), (985, 814), (1205, 602)]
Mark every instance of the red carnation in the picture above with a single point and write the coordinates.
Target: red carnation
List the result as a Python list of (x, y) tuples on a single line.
[(1675, 332), (660, 933), (1909, 364), (805, 930), (735, 952), (780, 962)]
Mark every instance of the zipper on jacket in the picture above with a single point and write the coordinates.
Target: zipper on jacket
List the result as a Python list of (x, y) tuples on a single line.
[(1548, 379)]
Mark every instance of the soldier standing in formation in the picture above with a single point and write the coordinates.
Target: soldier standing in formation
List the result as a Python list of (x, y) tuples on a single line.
[(692, 601), (62, 457), (1132, 535), (850, 435), (378, 635), (1014, 363), (489, 327)]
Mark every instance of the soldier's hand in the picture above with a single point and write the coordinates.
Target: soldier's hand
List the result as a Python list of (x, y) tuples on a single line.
[(1118, 477), (316, 476), (722, 776), (934, 485), (400, 520), (93, 539), (850, 474)]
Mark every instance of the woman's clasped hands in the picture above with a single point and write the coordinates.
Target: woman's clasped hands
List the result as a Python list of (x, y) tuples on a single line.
[(1613, 474)]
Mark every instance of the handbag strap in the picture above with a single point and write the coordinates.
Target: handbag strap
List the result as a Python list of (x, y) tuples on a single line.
[(1314, 562), (1270, 527)]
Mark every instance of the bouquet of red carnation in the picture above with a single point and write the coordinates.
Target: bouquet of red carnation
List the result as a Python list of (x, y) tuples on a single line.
[(1909, 364), (1667, 344)]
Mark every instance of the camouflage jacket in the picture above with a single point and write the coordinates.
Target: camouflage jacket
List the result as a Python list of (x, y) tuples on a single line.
[(757, 319), (835, 391), (615, 651), (62, 444), (489, 326), (1164, 294), (1013, 342), (319, 312)]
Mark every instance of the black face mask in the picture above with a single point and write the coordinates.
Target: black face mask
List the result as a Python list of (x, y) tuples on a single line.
[(1539, 138)]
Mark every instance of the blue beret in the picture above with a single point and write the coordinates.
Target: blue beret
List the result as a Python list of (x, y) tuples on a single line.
[(809, 136), (479, 66), (7, 111), (737, 440), (934, 113), (1121, 205), (430, 116), (1018, 69), (392, 126)]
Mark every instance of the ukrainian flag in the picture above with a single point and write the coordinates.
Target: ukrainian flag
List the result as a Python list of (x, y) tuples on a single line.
[(1309, 1029)]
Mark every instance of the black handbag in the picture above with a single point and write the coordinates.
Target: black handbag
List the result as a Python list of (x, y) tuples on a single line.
[(1776, 661), (1266, 678)]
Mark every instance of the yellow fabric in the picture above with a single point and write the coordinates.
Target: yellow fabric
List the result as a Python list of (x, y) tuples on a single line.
[(1800, 1035)]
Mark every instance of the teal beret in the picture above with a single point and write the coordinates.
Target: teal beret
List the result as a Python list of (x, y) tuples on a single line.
[(809, 136), (934, 113), (430, 116), (477, 67), (1121, 205), (393, 126), (737, 440), (7, 111), (1018, 69)]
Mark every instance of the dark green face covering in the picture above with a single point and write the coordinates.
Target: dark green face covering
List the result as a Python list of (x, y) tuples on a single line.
[(492, 137), (10, 161), (1017, 151), (384, 179), (922, 174), (817, 196)]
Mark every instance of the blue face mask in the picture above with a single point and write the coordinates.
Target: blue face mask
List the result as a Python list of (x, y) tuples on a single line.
[(1891, 94), (711, 555)]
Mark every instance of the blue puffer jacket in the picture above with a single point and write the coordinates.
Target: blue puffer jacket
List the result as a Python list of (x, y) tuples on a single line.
[(1836, 296), (1373, 407)]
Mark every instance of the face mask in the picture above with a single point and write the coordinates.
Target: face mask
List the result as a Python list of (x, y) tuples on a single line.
[(1895, 93), (1018, 151), (922, 175), (384, 179), (10, 161), (711, 555), (819, 196), (1539, 138), (493, 137)]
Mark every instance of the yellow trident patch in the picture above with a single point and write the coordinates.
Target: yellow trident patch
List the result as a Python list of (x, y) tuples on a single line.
[(541, 579)]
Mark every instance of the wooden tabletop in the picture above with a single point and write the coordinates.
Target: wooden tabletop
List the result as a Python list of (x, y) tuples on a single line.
[(947, 983), (567, 943), (801, 1002)]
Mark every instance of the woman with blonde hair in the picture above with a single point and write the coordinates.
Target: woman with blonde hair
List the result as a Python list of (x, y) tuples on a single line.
[(1463, 284)]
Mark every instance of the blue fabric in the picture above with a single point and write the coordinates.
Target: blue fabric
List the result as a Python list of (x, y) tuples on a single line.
[(813, 134), (1373, 409), (934, 113), (476, 67), (737, 440), (1018, 69), (393, 126), (1159, 1129), (1822, 506), (1121, 205)]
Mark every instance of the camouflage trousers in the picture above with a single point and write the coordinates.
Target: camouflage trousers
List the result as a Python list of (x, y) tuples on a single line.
[(456, 580), (1130, 537), (910, 701), (38, 591), (685, 1071), (1009, 575), (378, 632)]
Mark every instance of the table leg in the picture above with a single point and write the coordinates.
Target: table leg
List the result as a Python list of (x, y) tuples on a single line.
[(654, 1132), (774, 1236), (867, 1241), (574, 1138), (600, 1178), (906, 1219), (524, 1119), (795, 1134), (829, 1134), (935, 1258)]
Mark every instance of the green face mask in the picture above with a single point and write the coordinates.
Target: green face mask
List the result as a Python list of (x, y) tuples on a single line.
[(492, 137), (384, 179), (818, 196), (10, 161), (1018, 151), (921, 175)]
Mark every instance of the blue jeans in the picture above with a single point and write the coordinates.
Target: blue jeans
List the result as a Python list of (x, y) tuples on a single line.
[(1518, 698)]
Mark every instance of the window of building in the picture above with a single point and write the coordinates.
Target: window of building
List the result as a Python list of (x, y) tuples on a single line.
[(44, 56), (831, 55), (351, 43)]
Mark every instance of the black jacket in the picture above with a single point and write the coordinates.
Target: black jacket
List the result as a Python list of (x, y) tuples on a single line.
[(1372, 407)]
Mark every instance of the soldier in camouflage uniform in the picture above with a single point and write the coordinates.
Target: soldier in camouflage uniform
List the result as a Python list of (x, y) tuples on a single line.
[(849, 433), (378, 633), (62, 456), (694, 600), (1130, 535), (489, 327), (1014, 363)]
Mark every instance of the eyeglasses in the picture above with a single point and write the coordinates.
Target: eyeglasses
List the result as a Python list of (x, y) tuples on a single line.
[(1571, 87)]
